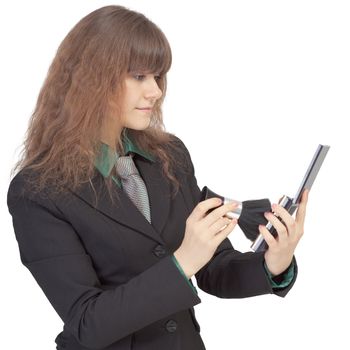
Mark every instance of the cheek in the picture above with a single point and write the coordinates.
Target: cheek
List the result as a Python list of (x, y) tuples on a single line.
[(129, 103), (130, 95)]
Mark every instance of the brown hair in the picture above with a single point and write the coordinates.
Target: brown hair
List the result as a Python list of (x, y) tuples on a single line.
[(83, 87)]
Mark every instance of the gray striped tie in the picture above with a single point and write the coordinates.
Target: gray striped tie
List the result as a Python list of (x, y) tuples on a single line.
[(133, 184)]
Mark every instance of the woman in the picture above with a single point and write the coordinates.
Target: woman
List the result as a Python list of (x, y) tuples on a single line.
[(106, 207)]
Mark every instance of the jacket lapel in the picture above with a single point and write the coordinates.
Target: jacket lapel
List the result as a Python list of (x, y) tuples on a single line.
[(124, 211)]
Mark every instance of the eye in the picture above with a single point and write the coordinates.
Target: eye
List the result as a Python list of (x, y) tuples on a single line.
[(139, 77)]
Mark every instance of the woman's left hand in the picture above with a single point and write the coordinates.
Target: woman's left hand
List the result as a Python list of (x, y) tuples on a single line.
[(281, 249)]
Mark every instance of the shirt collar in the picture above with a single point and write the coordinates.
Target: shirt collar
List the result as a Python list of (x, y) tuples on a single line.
[(107, 157)]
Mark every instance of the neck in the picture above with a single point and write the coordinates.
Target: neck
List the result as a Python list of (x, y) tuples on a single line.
[(109, 138)]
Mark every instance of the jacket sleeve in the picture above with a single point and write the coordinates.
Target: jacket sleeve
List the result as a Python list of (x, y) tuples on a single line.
[(231, 273), (183, 274), (97, 316)]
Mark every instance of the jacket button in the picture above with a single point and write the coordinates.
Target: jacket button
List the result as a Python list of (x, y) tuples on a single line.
[(171, 326), (159, 251)]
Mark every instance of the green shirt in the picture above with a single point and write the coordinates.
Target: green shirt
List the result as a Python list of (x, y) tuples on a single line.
[(105, 164)]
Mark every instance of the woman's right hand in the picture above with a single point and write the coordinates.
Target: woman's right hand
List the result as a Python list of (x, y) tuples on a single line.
[(203, 234)]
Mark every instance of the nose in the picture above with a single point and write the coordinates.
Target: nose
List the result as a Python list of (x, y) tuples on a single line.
[(152, 90)]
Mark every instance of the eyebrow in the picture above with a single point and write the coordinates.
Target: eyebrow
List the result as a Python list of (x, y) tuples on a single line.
[(143, 72)]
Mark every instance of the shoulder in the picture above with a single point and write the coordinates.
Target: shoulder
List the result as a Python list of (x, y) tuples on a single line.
[(20, 188), (181, 153), (19, 183)]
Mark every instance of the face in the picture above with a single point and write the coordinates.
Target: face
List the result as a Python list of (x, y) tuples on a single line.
[(141, 93)]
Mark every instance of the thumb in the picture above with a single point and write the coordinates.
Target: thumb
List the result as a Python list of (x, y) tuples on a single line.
[(301, 212)]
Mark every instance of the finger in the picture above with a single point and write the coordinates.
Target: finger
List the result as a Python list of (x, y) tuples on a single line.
[(216, 214), (220, 224), (281, 229), (270, 240), (301, 212), (285, 216), (202, 207), (221, 235)]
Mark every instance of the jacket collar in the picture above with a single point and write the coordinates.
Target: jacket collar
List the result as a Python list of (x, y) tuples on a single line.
[(107, 158), (124, 211)]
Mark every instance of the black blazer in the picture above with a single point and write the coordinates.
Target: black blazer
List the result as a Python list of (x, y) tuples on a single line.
[(108, 272)]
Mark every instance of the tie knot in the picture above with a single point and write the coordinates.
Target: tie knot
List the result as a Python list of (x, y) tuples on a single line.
[(125, 166)]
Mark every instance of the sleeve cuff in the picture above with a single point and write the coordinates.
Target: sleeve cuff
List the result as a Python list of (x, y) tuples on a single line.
[(183, 273), (282, 280)]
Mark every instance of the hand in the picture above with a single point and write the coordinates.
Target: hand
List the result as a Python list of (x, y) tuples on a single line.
[(281, 249), (204, 232)]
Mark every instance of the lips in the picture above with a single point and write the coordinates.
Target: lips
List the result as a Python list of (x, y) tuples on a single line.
[(145, 110)]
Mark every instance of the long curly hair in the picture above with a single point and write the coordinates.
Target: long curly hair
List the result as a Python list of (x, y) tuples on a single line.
[(83, 88)]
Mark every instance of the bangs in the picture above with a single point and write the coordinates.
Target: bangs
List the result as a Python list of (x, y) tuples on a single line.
[(149, 50)]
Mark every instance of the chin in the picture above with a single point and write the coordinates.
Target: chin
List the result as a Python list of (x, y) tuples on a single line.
[(140, 126), (145, 126)]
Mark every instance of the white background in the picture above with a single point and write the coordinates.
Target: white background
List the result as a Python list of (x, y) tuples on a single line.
[(254, 87)]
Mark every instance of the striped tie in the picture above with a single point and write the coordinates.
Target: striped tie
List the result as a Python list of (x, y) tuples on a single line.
[(133, 184)]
